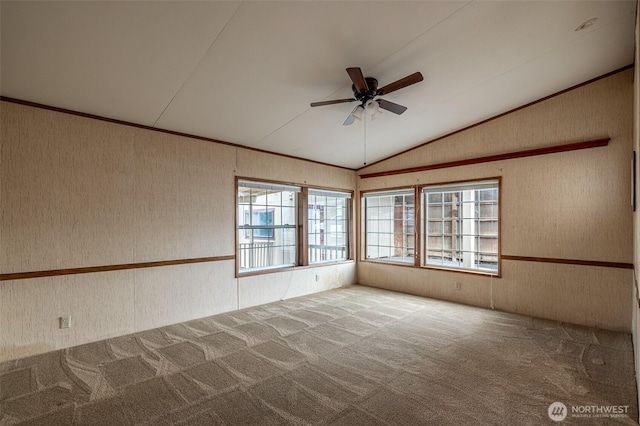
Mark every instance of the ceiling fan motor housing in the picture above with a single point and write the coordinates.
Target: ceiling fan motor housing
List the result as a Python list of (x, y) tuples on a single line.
[(372, 85)]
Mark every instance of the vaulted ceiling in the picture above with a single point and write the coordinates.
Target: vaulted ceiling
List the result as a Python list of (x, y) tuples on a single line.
[(245, 72)]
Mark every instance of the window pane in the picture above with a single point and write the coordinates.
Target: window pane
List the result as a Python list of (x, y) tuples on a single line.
[(461, 226), (328, 228), (390, 227), (266, 226)]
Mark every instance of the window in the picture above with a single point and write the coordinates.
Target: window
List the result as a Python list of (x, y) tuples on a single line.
[(461, 225), (390, 226), (328, 225), (273, 230), (455, 227), (267, 223)]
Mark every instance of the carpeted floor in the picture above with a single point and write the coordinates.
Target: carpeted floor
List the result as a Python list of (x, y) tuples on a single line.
[(352, 356)]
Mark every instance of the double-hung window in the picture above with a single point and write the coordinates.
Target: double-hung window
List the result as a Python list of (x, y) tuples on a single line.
[(281, 225), (328, 225), (461, 225), (267, 225), (390, 226)]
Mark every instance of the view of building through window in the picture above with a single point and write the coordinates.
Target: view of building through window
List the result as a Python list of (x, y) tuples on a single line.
[(390, 225), (268, 225), (461, 223), (328, 225), (459, 226), (267, 221)]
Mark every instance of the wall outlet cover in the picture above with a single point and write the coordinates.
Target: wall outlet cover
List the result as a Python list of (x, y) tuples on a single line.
[(65, 322)]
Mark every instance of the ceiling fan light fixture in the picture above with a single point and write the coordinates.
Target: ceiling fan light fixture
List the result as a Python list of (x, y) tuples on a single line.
[(371, 107), (358, 112)]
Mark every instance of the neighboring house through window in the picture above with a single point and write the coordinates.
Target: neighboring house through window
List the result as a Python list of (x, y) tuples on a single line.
[(328, 225), (270, 230), (390, 226), (267, 224), (461, 225)]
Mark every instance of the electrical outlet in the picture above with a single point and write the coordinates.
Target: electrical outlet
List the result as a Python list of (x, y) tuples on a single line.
[(317, 278), (65, 322), (458, 285)]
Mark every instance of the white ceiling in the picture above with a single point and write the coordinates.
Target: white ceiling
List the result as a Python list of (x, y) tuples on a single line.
[(245, 72)]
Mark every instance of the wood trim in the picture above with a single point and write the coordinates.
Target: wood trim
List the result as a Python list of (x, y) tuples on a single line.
[(303, 227), (417, 225), (106, 268), (158, 129), (390, 189), (570, 261), (389, 263), (351, 217), (252, 273), (553, 95), (477, 272), (500, 227), (498, 157), (235, 228)]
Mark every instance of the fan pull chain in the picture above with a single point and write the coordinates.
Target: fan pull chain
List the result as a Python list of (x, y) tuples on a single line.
[(364, 126)]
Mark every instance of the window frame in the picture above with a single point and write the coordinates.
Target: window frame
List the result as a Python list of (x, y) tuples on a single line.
[(301, 226), (346, 220), (421, 235), (471, 184), (269, 248), (395, 192)]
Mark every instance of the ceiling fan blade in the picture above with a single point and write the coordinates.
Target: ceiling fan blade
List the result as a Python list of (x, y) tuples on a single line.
[(358, 79), (400, 84), (335, 101), (390, 106), (350, 119)]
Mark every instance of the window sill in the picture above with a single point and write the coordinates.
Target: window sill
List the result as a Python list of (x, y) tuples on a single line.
[(388, 262), (291, 268), (496, 274)]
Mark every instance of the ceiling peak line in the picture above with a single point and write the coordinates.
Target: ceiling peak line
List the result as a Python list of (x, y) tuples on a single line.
[(424, 32), (204, 55)]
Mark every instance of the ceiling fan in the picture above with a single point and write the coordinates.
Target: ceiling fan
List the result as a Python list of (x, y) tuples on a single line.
[(365, 90)]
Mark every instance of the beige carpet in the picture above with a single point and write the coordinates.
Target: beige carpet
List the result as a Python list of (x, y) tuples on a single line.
[(353, 356)]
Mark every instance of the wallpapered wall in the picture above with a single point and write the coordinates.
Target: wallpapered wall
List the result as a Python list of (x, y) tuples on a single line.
[(573, 206), (78, 192), (636, 217)]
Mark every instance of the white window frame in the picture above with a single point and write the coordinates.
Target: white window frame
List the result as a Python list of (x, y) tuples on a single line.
[(326, 233), (271, 251), (382, 227), (465, 225)]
